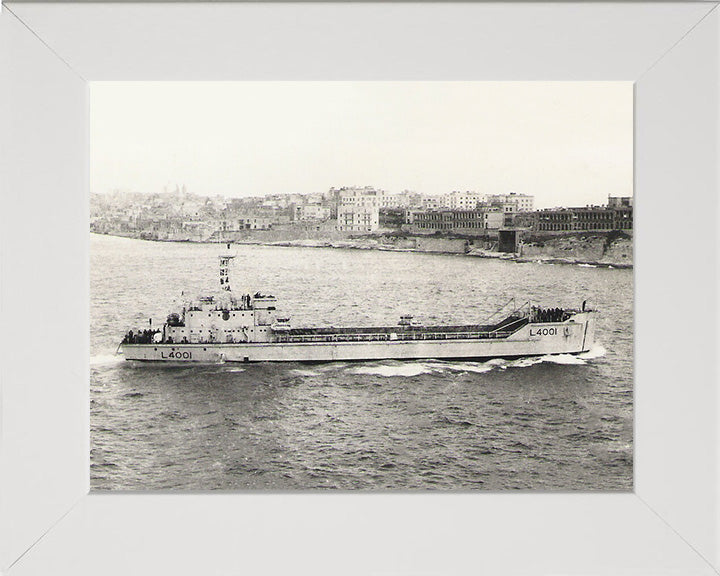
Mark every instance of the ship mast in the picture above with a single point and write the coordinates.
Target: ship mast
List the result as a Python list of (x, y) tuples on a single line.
[(225, 260)]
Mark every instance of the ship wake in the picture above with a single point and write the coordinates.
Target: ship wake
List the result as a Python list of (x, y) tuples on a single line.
[(393, 368), (102, 360)]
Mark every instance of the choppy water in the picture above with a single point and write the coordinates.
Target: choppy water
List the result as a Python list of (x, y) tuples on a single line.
[(553, 423)]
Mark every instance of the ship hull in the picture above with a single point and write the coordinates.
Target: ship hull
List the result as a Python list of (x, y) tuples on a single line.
[(571, 337)]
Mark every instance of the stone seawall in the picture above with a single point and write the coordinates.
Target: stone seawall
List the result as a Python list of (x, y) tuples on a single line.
[(597, 249), (606, 249), (600, 249)]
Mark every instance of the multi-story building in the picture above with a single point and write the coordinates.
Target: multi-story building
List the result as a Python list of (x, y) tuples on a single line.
[(620, 201), (358, 210), (255, 223), (623, 218), (331, 198), (404, 199), (457, 200), (312, 212), (512, 202), (508, 209), (433, 202), (478, 221), (587, 219)]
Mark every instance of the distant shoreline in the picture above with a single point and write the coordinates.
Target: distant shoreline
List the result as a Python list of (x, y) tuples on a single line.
[(364, 244)]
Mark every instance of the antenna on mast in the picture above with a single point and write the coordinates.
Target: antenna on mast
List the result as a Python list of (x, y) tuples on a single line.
[(225, 260)]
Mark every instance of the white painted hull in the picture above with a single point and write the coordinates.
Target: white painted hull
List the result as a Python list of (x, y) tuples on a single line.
[(573, 336)]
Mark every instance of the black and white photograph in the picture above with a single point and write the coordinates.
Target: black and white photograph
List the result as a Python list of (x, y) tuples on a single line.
[(377, 286)]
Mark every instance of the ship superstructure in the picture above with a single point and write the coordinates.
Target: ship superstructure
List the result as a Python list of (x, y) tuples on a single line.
[(247, 328)]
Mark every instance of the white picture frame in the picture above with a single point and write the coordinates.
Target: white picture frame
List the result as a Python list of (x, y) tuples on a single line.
[(49, 523)]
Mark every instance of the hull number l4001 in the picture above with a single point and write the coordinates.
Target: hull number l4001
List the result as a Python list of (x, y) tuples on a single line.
[(543, 331)]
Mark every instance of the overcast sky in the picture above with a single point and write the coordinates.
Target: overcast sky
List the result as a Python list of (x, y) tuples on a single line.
[(566, 143)]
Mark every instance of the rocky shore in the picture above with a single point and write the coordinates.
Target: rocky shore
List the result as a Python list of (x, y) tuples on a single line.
[(588, 250), (611, 249)]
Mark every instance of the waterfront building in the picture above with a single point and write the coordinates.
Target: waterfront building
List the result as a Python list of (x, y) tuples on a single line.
[(478, 221), (586, 219), (255, 223), (623, 219), (358, 209)]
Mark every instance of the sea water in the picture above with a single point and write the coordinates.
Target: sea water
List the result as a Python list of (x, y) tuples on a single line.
[(558, 422)]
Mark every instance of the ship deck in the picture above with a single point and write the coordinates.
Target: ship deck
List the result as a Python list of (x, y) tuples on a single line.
[(381, 333)]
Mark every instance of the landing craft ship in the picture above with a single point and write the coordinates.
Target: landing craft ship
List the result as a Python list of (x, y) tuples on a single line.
[(247, 328)]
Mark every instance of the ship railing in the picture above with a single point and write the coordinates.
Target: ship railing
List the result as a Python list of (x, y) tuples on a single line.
[(385, 337)]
